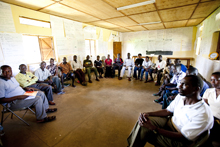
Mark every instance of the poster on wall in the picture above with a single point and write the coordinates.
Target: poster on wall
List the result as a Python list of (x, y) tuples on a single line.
[(6, 19)]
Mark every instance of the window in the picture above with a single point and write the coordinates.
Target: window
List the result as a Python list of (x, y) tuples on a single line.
[(38, 48), (90, 47), (34, 22)]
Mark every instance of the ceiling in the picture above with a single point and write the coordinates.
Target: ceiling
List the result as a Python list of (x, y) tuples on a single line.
[(103, 13)]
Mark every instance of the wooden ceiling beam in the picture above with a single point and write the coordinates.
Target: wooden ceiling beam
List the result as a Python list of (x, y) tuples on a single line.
[(193, 12), (46, 6), (159, 15)]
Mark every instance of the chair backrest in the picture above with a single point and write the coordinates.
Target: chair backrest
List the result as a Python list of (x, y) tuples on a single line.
[(202, 138)]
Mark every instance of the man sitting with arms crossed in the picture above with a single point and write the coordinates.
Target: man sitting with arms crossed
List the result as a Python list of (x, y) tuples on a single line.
[(128, 64), (67, 70), (189, 117), (12, 93), (89, 67), (28, 80), (44, 76)]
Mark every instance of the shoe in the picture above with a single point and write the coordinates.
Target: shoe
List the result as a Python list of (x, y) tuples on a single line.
[(141, 80), (100, 77), (151, 80), (156, 94), (78, 81), (157, 84), (97, 79), (61, 92), (90, 81), (156, 101), (47, 119), (129, 79), (136, 78), (146, 81), (51, 110), (120, 78), (73, 85), (51, 103), (84, 83)]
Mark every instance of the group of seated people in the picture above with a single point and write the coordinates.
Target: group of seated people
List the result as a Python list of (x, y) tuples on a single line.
[(190, 106), (190, 110)]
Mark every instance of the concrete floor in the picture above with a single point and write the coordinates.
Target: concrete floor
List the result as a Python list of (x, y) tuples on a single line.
[(101, 114)]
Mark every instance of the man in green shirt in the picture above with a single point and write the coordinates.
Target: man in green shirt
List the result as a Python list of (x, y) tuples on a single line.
[(89, 67)]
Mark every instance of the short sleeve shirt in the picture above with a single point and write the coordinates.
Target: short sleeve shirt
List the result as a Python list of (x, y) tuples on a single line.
[(52, 69), (66, 68), (10, 88), (87, 62), (214, 102), (108, 62), (42, 75), (160, 65), (98, 62), (177, 78), (190, 120), (139, 62)]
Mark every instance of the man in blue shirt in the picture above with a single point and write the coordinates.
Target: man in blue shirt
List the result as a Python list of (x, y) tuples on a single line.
[(13, 94), (178, 62)]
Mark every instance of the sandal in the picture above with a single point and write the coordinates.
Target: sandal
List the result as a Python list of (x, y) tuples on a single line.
[(51, 110), (47, 119)]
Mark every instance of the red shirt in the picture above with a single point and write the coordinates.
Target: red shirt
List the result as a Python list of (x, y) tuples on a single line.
[(108, 62)]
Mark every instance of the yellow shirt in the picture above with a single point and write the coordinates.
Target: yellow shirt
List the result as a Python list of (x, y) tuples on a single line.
[(26, 79)]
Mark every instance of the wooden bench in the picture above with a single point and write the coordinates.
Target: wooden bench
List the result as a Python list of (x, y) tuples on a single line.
[(183, 58)]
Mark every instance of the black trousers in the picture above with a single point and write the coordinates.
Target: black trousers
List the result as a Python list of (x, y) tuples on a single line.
[(119, 70)]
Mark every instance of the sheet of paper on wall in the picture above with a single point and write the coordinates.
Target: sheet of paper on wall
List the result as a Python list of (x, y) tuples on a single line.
[(61, 46), (168, 45), (69, 28), (1, 53), (6, 19), (176, 45), (186, 45), (160, 34), (12, 46), (89, 32), (57, 26)]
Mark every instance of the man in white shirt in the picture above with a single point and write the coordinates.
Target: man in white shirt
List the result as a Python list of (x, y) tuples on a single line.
[(212, 97), (146, 68), (160, 65), (77, 69), (189, 116), (13, 94), (128, 64), (44, 76)]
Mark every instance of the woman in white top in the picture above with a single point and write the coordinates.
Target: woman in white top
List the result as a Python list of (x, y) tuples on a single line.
[(77, 68), (212, 97)]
